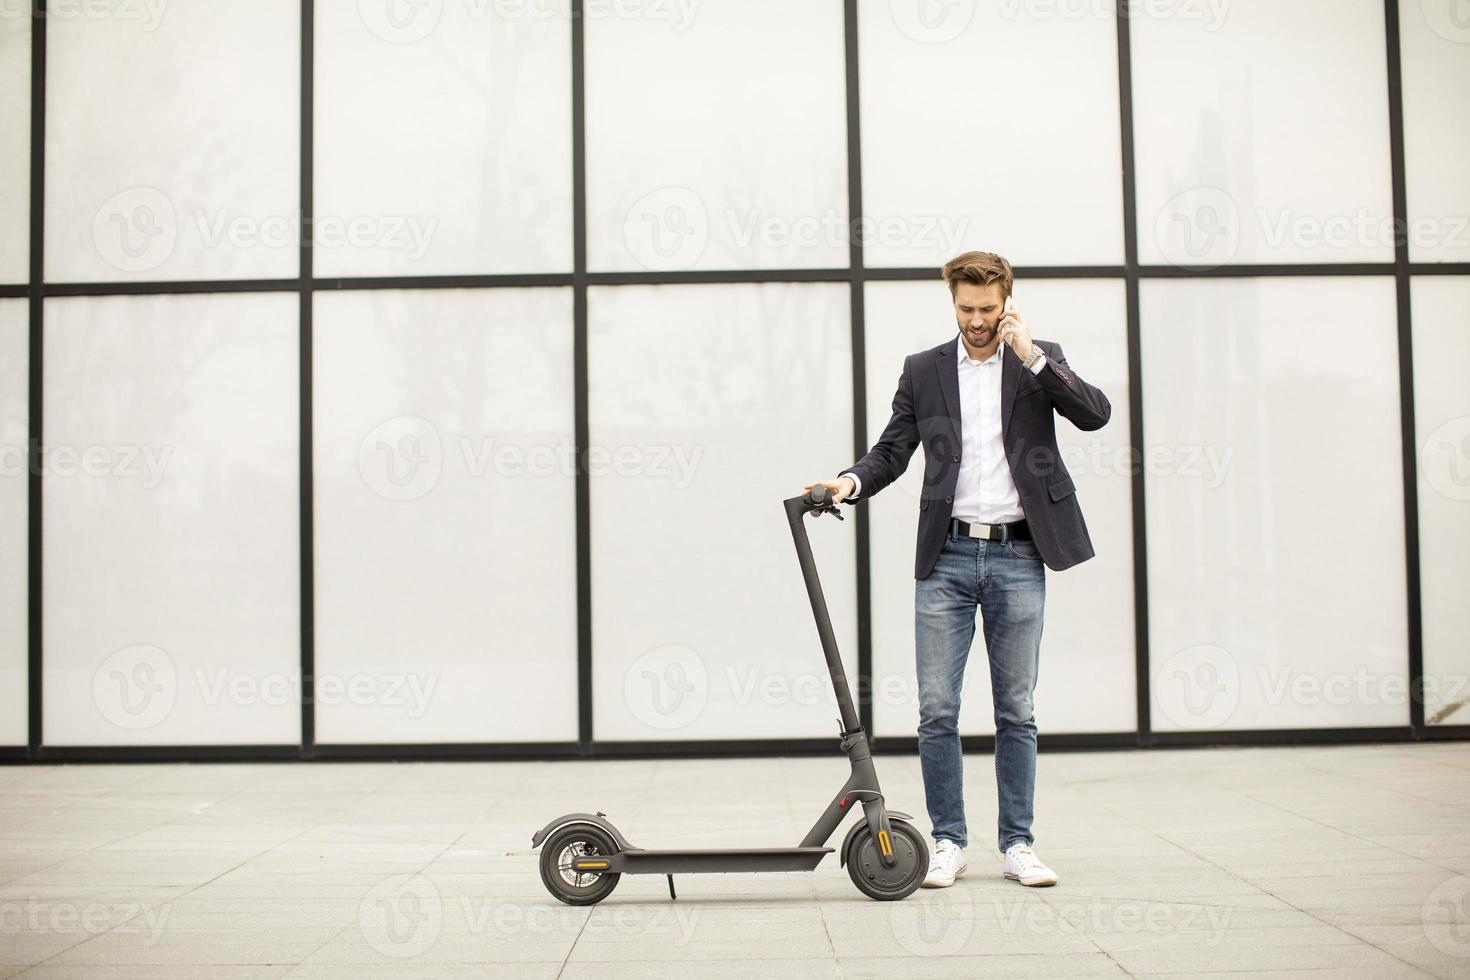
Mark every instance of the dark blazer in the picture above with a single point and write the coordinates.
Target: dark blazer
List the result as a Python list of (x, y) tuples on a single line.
[(926, 409)]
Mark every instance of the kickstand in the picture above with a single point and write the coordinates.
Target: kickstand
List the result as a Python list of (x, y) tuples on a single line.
[(671, 888)]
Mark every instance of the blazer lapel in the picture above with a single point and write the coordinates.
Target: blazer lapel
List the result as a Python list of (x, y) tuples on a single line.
[(949, 379), (1010, 378)]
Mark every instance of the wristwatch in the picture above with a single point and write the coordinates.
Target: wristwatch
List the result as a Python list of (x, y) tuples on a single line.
[(1036, 352)]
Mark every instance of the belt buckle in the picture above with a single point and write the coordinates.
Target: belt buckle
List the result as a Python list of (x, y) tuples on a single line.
[(982, 532)]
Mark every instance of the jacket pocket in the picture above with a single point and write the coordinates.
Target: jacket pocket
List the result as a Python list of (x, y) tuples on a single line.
[(1061, 488)]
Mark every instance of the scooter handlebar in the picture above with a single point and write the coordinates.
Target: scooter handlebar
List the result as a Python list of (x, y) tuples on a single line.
[(816, 500)]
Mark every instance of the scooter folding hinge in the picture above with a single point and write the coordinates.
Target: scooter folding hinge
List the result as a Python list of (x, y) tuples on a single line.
[(852, 737)]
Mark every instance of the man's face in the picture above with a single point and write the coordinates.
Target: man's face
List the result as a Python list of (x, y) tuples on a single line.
[(977, 311)]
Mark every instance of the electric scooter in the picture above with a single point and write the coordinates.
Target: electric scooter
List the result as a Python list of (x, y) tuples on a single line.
[(583, 855)]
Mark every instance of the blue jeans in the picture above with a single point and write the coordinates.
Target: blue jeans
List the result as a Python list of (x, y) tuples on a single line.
[(1007, 580)]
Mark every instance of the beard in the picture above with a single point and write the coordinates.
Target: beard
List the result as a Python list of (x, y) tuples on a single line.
[(981, 337)]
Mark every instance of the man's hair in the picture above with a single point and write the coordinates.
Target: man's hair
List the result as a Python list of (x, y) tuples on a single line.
[(980, 268)]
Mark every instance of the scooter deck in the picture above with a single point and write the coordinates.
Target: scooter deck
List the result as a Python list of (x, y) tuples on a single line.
[(636, 860)]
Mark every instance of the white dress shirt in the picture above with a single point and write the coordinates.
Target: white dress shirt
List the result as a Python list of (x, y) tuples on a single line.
[(984, 492)]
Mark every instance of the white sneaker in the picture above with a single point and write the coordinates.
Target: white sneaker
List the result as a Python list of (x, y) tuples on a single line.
[(1024, 866), (947, 864)]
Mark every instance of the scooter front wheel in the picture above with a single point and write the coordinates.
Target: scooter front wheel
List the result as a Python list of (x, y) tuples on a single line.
[(565, 882), (876, 879)]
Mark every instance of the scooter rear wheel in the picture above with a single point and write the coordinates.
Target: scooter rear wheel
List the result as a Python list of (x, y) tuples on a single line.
[(567, 884), (877, 880)]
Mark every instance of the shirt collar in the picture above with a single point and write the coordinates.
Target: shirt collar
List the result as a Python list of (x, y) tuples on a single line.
[(965, 354)]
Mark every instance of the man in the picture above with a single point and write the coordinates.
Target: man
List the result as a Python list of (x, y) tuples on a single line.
[(996, 505)]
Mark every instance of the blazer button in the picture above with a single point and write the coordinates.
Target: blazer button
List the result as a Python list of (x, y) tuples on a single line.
[(949, 500), (956, 457)]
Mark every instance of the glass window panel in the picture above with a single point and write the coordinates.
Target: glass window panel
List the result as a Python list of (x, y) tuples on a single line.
[(172, 134), (15, 147), (1434, 39), (172, 542), (715, 141), (443, 140), (445, 516), (1276, 560), (1253, 147), (963, 149), (1442, 418), (709, 406), (15, 416)]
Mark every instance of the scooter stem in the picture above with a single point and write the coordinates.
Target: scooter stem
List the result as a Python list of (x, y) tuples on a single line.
[(819, 500)]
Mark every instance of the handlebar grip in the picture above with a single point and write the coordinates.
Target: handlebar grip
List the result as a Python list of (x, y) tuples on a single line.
[(818, 500)]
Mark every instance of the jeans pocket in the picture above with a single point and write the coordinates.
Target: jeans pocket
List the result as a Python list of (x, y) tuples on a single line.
[(1023, 548)]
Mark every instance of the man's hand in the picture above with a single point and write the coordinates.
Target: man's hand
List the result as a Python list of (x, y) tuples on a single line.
[(841, 488), (1014, 331)]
